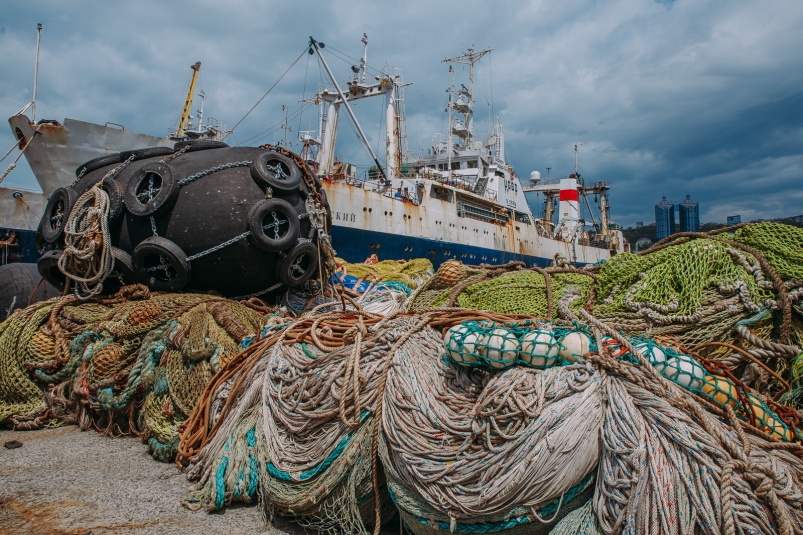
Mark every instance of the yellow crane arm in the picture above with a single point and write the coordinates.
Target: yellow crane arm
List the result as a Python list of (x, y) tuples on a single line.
[(185, 115)]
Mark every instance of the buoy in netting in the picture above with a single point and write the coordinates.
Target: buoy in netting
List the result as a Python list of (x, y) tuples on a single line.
[(538, 349)]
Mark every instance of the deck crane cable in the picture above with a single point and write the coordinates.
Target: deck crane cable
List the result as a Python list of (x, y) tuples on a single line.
[(303, 97), (269, 90), (274, 127), (333, 51)]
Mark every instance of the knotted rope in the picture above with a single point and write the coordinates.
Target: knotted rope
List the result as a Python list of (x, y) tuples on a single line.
[(87, 258)]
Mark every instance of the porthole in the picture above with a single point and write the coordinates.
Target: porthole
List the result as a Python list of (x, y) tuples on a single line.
[(364, 209)]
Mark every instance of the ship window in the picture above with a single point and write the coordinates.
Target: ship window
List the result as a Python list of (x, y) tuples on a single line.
[(455, 165), (499, 173), (471, 164)]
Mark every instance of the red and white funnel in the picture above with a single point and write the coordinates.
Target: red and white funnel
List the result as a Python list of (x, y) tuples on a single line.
[(569, 218)]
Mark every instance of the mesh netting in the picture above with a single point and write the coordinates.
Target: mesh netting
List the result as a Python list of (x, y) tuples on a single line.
[(533, 344)]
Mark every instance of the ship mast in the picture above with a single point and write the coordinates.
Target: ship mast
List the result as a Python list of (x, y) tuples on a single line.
[(315, 47), (470, 58)]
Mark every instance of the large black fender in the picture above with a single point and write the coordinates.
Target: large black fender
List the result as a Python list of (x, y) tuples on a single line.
[(161, 265), (48, 267), (152, 190), (21, 285), (144, 154), (299, 264), (57, 211), (116, 195), (273, 224), (276, 171), (97, 163), (194, 145)]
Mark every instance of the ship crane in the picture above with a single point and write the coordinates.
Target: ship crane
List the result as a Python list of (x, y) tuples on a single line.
[(183, 122)]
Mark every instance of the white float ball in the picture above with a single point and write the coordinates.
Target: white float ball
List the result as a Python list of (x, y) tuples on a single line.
[(473, 343), (654, 354), (538, 349), (575, 346), (685, 371), (503, 348), (452, 340)]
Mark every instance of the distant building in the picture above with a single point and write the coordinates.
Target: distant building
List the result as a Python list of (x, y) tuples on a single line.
[(734, 220), (798, 219), (689, 216), (643, 243), (664, 219), (639, 224)]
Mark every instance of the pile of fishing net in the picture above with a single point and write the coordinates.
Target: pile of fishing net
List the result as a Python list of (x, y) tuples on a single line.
[(704, 290), (379, 287), (134, 363), (342, 419)]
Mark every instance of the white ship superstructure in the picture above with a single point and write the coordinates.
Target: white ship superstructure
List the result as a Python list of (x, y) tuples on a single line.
[(460, 200)]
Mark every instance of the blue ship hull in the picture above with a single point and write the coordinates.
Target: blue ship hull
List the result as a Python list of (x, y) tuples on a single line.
[(355, 245)]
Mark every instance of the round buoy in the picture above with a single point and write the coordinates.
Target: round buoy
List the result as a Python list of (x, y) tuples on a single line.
[(161, 265), (452, 340), (652, 353), (538, 349), (116, 194), (97, 163), (575, 346), (685, 371), (502, 350), (144, 154), (194, 145)]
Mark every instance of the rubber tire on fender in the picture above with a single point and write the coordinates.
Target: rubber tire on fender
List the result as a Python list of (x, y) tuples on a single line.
[(199, 144), (124, 265), (116, 195), (164, 199), (168, 252), (97, 163), (265, 177), (287, 269), (66, 196), (48, 266), (268, 208), (143, 154)]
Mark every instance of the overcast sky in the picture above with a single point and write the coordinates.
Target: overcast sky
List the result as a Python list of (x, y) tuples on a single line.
[(670, 98)]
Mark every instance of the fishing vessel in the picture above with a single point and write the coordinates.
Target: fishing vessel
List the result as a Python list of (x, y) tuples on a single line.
[(460, 199)]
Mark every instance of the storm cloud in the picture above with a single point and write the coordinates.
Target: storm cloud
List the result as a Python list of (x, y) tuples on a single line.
[(670, 97)]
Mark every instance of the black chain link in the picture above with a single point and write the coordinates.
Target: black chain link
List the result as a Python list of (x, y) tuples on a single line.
[(184, 181)]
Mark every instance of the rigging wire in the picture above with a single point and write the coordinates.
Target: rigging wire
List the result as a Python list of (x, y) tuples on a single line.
[(303, 97), (331, 49), (269, 90), (176, 113), (275, 126)]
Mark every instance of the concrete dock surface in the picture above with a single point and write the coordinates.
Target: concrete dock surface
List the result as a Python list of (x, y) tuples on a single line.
[(64, 481)]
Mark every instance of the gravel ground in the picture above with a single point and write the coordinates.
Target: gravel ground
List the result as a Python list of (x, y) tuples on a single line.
[(67, 482)]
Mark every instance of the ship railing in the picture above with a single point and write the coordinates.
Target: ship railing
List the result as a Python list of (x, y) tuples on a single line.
[(490, 194)]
